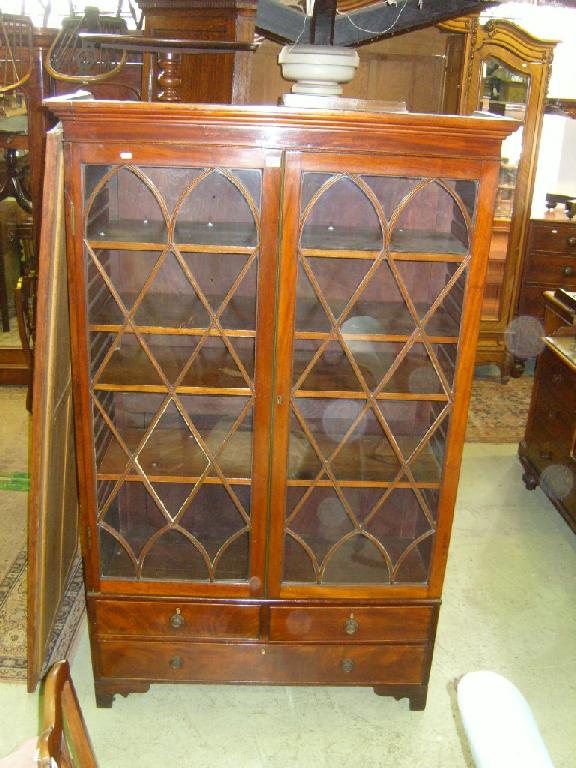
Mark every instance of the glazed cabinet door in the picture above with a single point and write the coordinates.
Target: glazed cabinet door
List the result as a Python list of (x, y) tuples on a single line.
[(173, 283), (376, 273)]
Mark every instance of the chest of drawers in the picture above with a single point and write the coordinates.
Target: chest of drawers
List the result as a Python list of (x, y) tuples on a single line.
[(550, 262), (548, 450)]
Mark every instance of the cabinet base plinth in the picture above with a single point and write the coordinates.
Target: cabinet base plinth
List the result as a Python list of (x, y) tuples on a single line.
[(416, 694), (106, 690), (390, 669)]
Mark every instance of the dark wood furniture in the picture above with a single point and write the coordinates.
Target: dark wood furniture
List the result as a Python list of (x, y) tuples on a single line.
[(507, 73), (53, 525), (548, 451), (549, 261), (270, 418), (559, 309), (202, 78)]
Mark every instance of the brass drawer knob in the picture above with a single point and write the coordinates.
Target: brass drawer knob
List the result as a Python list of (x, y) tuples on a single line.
[(571, 240), (568, 271), (176, 662), (546, 455), (177, 620), (351, 626), (347, 665)]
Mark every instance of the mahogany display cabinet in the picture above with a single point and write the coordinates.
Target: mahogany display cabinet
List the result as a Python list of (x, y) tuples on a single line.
[(274, 320)]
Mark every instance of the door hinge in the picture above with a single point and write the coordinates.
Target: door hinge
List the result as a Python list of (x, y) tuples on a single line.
[(72, 217)]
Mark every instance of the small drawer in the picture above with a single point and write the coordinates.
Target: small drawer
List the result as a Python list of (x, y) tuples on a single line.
[(174, 620), (259, 663), (351, 624), (551, 270), (553, 236)]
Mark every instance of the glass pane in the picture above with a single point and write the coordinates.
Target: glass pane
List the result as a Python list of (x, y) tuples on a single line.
[(216, 519), (219, 208), (340, 215), (228, 283), (430, 221), (380, 308), (121, 192), (359, 536), (172, 347), (374, 357), (140, 539), (111, 272), (170, 301), (344, 434), (505, 91)]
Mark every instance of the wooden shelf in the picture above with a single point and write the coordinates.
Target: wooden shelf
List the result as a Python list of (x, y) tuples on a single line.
[(153, 234), (323, 240), (334, 377), (363, 242), (174, 454), (213, 370), (388, 322), (369, 461), (161, 313)]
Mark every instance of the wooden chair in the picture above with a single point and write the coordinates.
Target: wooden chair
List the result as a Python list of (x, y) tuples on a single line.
[(64, 741), (16, 51), (25, 301), (71, 60)]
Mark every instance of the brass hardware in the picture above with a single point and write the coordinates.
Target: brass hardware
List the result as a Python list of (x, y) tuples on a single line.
[(567, 271), (176, 662), (571, 241), (546, 455), (279, 400), (177, 620), (554, 231), (347, 665), (351, 626)]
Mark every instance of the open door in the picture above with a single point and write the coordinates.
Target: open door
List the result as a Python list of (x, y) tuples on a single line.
[(53, 549)]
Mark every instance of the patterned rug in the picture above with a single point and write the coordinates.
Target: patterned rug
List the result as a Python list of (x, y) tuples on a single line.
[(498, 412), (14, 483)]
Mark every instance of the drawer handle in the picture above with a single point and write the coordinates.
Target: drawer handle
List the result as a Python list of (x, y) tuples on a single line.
[(176, 662), (177, 620), (546, 455), (571, 241), (351, 626), (347, 665), (568, 271)]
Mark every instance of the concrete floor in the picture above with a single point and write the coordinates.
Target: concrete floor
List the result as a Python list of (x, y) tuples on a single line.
[(509, 606)]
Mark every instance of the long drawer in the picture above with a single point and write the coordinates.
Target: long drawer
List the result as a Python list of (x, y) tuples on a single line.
[(175, 619), (351, 624), (551, 269), (553, 236), (259, 663)]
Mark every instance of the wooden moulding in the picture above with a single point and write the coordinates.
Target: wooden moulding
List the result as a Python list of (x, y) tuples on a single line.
[(280, 127)]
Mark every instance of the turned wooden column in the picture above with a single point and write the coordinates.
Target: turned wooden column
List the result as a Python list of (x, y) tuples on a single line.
[(202, 78), (169, 80)]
